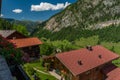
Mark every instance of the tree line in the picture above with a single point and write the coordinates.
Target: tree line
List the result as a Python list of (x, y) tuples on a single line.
[(110, 33), (5, 25)]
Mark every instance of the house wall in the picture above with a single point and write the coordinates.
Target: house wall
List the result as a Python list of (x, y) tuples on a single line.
[(32, 51), (59, 66), (94, 74), (16, 35), (75, 78)]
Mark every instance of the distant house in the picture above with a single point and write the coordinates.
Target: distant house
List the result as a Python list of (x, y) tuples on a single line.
[(9, 70), (91, 63), (11, 34), (29, 46)]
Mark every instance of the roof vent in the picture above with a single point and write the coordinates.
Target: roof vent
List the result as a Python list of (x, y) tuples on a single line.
[(100, 56), (80, 62), (89, 47)]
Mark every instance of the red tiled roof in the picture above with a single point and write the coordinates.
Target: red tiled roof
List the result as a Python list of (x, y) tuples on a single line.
[(25, 42), (89, 59), (106, 69), (114, 74)]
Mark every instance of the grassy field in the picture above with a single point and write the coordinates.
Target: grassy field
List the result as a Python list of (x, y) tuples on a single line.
[(115, 47), (43, 76)]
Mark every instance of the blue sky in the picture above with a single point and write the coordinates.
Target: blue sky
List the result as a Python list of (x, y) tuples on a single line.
[(33, 9)]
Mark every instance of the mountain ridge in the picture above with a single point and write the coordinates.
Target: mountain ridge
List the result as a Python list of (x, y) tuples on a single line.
[(84, 13), (85, 18), (30, 25)]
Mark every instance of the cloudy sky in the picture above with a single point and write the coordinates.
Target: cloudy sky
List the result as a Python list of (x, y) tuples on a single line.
[(33, 9)]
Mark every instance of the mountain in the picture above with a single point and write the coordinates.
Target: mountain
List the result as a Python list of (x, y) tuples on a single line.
[(85, 14), (84, 18), (6, 25), (30, 25)]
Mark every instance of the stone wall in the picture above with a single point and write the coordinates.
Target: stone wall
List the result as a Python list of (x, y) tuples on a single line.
[(5, 73)]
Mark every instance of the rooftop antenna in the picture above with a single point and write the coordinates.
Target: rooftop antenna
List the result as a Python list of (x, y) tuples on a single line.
[(0, 6)]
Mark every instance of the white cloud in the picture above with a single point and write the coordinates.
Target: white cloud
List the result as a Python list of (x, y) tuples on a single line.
[(17, 10), (48, 6), (1, 15)]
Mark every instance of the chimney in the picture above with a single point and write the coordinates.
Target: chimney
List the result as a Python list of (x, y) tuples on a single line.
[(100, 56), (89, 47), (80, 62)]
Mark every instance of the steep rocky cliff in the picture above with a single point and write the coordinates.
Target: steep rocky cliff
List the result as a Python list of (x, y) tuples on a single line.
[(86, 14)]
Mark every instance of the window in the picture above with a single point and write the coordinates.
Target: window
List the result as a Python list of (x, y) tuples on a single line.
[(14, 38)]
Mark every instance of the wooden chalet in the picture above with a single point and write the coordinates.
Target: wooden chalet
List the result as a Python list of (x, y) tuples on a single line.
[(11, 34), (29, 46), (91, 63)]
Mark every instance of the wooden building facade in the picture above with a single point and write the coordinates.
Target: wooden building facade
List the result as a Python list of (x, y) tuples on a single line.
[(29, 46), (12, 34), (32, 50), (86, 64)]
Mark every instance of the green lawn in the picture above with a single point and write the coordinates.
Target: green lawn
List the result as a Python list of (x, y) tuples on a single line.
[(38, 66), (117, 62), (115, 47)]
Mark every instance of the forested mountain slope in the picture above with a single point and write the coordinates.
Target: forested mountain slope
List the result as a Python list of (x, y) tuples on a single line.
[(85, 14), (30, 25), (6, 25), (110, 33), (84, 18)]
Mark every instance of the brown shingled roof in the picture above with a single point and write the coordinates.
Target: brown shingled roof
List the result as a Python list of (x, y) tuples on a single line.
[(79, 61), (6, 33), (26, 42)]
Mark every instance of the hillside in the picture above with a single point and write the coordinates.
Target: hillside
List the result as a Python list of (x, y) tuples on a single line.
[(85, 13), (84, 18), (30, 25), (109, 34), (6, 25)]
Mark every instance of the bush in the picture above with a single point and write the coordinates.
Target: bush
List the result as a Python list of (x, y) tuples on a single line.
[(8, 50), (52, 47), (30, 70)]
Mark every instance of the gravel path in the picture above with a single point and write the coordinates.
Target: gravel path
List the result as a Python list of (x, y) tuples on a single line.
[(41, 71)]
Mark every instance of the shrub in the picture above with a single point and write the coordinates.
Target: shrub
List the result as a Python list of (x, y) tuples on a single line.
[(30, 70), (8, 50)]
